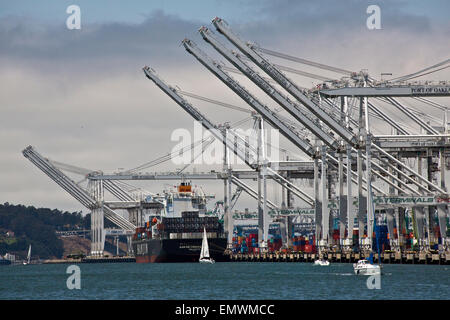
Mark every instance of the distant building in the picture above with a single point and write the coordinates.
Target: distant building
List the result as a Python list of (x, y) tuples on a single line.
[(10, 257)]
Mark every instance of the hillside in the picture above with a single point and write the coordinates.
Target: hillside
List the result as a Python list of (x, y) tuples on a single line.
[(76, 245), (21, 226)]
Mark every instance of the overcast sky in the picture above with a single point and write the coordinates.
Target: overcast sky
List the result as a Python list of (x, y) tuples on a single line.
[(80, 96)]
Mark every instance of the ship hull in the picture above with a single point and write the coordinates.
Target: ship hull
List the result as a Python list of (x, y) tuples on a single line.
[(177, 250)]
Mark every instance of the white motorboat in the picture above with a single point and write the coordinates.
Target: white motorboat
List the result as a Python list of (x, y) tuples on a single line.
[(364, 267), (204, 253)]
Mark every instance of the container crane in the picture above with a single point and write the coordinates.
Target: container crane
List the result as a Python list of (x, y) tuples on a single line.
[(209, 125), (266, 87), (288, 105), (92, 202), (252, 101), (272, 71), (244, 155), (267, 114)]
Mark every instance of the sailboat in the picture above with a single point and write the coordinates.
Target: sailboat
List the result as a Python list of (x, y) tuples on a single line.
[(28, 256), (321, 261), (204, 254)]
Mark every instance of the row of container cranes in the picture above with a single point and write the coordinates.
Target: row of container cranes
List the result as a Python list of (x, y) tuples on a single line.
[(361, 180)]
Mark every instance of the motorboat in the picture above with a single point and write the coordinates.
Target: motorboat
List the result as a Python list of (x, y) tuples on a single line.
[(366, 267)]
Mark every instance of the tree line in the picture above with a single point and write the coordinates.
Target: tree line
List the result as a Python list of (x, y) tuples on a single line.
[(37, 226)]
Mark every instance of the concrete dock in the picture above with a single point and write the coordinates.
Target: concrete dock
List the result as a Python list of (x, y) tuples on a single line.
[(348, 257), (91, 260), (108, 259)]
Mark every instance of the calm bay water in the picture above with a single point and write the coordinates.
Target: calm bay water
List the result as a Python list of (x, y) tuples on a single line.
[(226, 281)]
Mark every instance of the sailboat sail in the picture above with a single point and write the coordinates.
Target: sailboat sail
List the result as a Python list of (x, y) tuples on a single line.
[(29, 254), (205, 250), (204, 253)]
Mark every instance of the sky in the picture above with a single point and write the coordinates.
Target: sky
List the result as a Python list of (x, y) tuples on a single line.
[(80, 96)]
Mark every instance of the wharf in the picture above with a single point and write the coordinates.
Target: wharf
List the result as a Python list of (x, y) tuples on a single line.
[(91, 260), (108, 259), (61, 261), (345, 257)]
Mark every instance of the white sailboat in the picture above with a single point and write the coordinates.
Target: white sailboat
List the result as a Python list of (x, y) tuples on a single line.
[(321, 261), (28, 256), (204, 254)]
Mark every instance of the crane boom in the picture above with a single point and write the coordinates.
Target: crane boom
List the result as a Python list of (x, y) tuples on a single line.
[(412, 116), (288, 85), (174, 94), (264, 111), (388, 119), (240, 184), (282, 100), (72, 188), (304, 61), (283, 81), (197, 115), (250, 99)]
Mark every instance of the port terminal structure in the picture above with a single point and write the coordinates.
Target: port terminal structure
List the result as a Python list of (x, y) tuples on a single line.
[(361, 178)]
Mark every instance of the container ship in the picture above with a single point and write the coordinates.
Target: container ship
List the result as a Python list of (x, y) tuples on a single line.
[(176, 235)]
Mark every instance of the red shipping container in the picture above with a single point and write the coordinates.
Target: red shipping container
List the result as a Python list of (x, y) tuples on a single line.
[(308, 248)]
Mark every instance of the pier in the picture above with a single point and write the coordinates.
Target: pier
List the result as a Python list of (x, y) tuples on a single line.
[(91, 260), (346, 257), (108, 259)]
